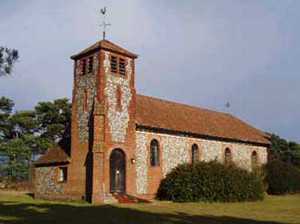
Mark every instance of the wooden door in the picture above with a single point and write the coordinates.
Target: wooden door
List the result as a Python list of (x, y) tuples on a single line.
[(117, 171)]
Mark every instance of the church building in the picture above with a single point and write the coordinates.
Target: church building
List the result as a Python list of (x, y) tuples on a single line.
[(123, 143)]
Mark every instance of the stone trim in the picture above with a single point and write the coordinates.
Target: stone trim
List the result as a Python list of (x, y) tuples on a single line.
[(193, 135)]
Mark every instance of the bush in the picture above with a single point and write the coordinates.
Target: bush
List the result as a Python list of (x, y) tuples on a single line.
[(282, 178), (210, 181)]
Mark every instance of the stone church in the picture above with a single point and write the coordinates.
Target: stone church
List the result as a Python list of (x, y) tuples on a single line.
[(125, 143)]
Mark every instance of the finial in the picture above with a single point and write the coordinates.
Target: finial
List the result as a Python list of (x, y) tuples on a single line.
[(227, 105), (104, 24)]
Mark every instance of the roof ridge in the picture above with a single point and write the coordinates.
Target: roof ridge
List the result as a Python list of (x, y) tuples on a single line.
[(115, 45)]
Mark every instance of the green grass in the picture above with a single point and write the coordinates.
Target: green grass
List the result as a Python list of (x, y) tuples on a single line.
[(24, 209)]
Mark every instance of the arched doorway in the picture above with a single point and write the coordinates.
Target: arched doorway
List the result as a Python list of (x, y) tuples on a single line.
[(117, 171)]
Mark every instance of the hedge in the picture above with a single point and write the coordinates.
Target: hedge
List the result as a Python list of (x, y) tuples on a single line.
[(210, 182)]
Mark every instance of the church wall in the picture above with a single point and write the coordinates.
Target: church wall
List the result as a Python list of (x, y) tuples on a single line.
[(47, 185), (177, 149)]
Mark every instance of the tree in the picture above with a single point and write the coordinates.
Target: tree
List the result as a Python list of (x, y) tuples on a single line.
[(8, 57), (54, 121), (17, 134), (24, 122), (295, 153), (286, 151), (6, 106), (24, 134), (19, 154)]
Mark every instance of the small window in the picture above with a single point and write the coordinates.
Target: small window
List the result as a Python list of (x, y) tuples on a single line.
[(195, 153), (154, 153), (113, 64), (119, 98), (85, 103), (228, 157), (254, 160), (83, 66), (63, 173), (122, 69), (90, 65)]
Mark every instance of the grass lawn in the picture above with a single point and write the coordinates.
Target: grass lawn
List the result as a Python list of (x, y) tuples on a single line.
[(17, 208)]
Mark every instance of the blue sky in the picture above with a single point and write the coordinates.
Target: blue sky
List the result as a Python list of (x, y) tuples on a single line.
[(204, 53)]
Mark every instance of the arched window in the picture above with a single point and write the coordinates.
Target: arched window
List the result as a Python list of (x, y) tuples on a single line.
[(254, 160), (228, 157), (195, 153), (154, 153)]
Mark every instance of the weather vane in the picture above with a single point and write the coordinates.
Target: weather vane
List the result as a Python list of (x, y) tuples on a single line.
[(227, 105), (104, 24)]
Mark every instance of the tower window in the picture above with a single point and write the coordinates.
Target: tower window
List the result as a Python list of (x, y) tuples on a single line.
[(122, 69), (118, 65), (90, 64), (113, 64), (83, 66)]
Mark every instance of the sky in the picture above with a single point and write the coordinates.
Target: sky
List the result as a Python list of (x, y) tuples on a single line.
[(200, 52)]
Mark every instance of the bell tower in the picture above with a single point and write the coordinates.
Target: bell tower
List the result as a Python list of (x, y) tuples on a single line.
[(103, 120)]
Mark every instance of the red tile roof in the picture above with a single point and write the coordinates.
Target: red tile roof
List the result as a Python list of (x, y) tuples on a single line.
[(53, 155), (106, 45), (166, 115)]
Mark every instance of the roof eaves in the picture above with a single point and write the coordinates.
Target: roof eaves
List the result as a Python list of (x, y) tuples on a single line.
[(203, 136), (100, 45)]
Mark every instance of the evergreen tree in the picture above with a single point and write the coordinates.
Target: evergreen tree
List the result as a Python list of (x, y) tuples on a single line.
[(287, 151), (27, 133), (8, 57)]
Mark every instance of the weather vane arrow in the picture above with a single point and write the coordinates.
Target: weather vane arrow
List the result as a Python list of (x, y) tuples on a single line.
[(104, 24)]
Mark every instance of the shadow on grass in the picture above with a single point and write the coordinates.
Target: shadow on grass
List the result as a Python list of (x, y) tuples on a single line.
[(16, 212)]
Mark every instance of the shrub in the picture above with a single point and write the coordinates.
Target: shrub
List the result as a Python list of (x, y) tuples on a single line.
[(210, 181), (282, 178)]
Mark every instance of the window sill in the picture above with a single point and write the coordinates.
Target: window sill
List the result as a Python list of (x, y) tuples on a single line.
[(118, 74), (62, 182), (155, 167)]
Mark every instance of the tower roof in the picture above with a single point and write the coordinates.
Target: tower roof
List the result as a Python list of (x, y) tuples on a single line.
[(105, 45)]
